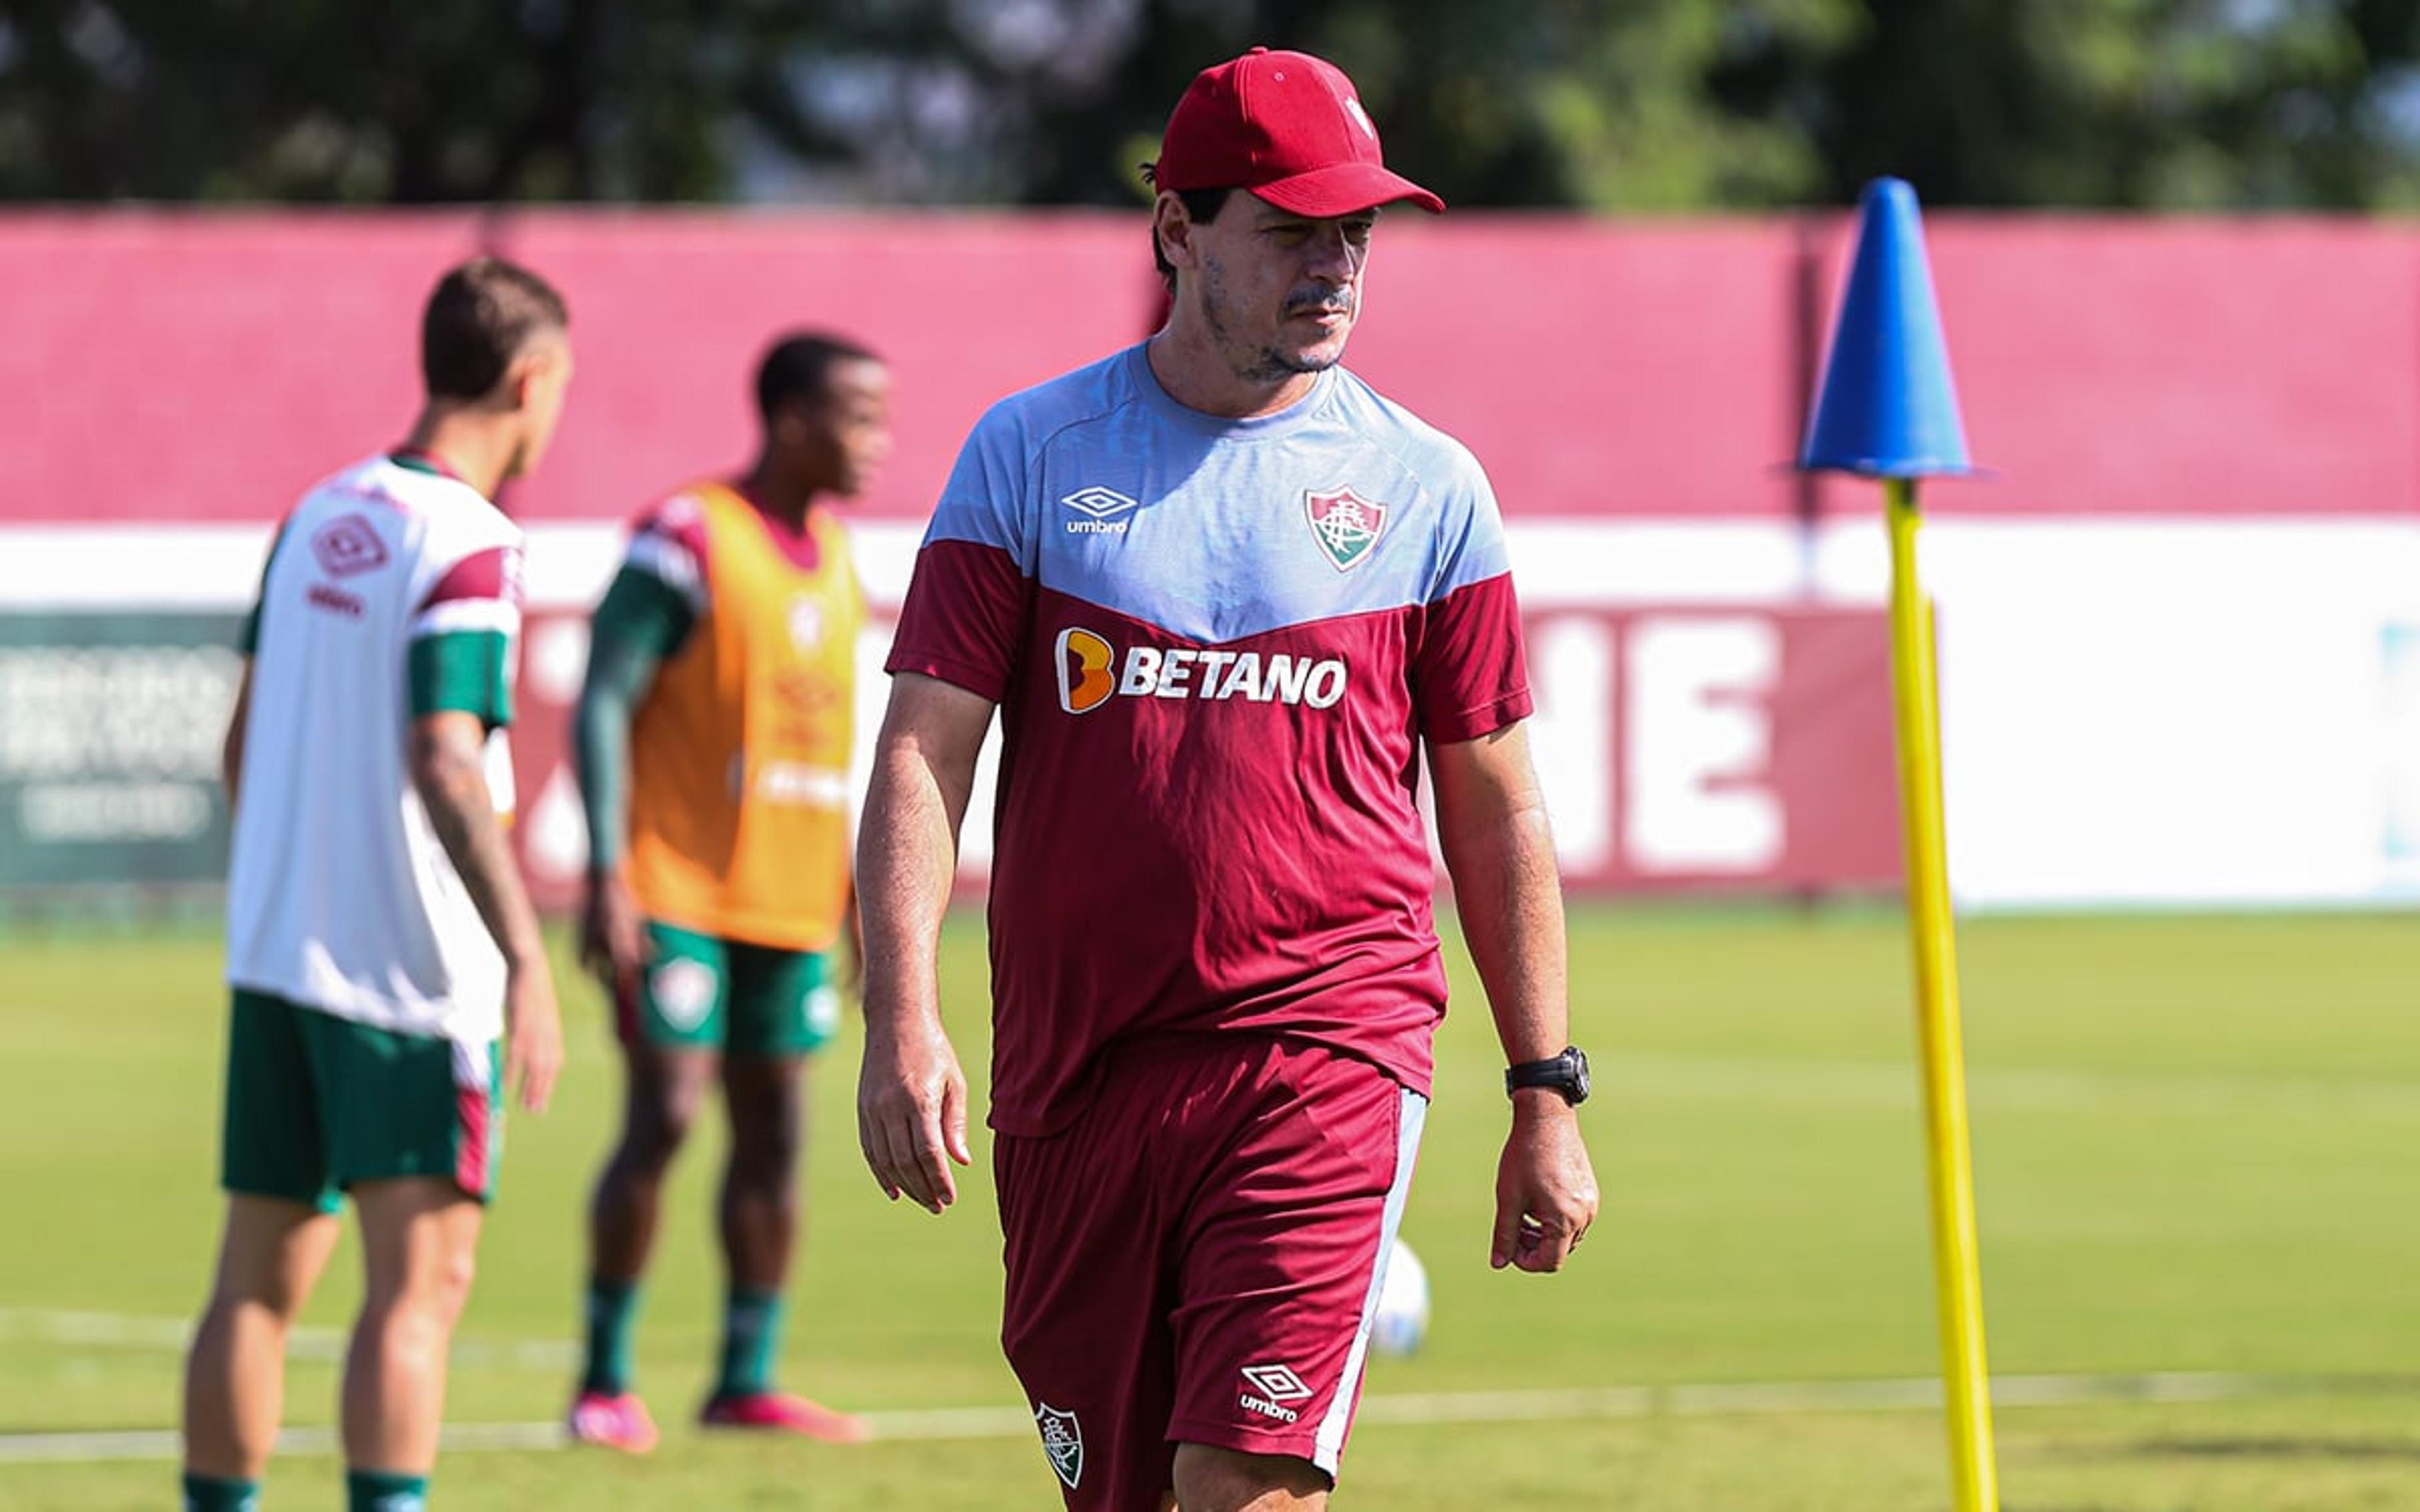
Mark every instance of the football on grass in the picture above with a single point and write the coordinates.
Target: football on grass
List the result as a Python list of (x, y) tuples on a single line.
[(1403, 1318)]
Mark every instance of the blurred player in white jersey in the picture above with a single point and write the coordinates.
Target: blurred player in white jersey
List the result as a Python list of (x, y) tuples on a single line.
[(382, 952)]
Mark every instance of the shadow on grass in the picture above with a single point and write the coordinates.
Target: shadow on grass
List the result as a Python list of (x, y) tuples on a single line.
[(2274, 1448)]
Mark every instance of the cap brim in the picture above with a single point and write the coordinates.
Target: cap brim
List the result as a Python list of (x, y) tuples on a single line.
[(1344, 189)]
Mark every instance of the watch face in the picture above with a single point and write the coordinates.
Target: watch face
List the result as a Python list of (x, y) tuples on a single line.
[(1579, 1074)]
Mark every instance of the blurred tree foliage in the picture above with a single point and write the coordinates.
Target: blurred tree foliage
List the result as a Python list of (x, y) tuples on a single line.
[(1615, 104)]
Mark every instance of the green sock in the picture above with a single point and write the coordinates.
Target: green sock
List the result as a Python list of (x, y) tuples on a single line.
[(384, 1491), (209, 1493), (751, 1336), (613, 1308)]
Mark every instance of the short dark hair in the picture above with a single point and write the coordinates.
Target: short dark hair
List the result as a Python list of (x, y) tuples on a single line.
[(479, 316), (1201, 205), (799, 366)]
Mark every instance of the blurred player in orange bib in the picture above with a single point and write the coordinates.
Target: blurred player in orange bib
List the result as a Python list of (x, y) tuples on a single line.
[(714, 734)]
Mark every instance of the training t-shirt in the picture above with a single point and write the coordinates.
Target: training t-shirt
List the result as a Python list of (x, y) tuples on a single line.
[(1216, 645), (394, 592)]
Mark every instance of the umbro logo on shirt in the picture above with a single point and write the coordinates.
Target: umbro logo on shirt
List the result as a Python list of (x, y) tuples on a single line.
[(1098, 505), (348, 545)]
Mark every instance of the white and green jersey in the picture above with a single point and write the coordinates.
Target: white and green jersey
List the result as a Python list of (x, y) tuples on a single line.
[(394, 592)]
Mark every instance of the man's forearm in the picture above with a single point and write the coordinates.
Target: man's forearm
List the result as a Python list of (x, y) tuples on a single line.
[(1511, 902), (1499, 849), (453, 787), (619, 673), (906, 860)]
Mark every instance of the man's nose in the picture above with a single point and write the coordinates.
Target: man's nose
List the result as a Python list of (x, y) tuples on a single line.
[(1333, 257)]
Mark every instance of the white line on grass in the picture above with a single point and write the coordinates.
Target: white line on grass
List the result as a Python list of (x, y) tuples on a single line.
[(119, 1331), (1730, 1399), (165, 1443)]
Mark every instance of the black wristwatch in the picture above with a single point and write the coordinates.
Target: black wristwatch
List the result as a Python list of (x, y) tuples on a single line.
[(1566, 1073)]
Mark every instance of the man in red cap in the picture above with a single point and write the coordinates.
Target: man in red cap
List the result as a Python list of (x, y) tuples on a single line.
[(1225, 599)]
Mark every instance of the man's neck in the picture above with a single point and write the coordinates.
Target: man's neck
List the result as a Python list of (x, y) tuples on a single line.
[(777, 493), (475, 448), (1197, 375)]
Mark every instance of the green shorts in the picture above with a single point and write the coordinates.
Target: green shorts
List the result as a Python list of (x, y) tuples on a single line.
[(317, 1104), (702, 992)]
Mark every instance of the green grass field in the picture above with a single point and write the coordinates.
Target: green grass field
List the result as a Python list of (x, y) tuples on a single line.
[(2195, 1147)]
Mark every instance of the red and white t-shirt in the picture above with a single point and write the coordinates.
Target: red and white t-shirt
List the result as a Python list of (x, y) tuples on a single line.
[(394, 592), (1217, 646)]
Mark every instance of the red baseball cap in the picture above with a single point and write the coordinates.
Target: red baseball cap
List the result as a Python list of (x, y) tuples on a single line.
[(1286, 126)]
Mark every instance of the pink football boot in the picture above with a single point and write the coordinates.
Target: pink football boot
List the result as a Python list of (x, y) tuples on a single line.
[(779, 1412), (613, 1421)]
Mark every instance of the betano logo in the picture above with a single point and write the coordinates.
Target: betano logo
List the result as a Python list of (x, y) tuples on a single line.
[(1091, 673)]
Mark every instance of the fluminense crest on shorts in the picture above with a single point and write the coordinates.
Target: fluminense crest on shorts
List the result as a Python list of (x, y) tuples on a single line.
[(1344, 524), (684, 991), (1063, 1439)]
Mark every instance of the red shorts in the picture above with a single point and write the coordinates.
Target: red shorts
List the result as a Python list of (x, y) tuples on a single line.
[(1197, 1258)]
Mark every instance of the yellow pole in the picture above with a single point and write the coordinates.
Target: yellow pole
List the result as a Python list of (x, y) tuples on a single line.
[(1957, 1274)]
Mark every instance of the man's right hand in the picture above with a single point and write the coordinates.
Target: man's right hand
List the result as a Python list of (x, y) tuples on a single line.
[(911, 1107), (613, 935), (533, 1034)]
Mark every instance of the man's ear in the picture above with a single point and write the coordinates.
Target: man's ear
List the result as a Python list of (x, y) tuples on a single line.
[(791, 421), (518, 378), (536, 361), (1174, 228)]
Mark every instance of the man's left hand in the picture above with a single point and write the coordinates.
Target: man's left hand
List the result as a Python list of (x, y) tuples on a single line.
[(1545, 1190)]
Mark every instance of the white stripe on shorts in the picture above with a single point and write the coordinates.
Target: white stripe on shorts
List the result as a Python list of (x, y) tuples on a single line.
[(1411, 1112)]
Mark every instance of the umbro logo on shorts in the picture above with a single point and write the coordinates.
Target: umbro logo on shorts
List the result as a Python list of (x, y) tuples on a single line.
[(1098, 505), (1273, 1387)]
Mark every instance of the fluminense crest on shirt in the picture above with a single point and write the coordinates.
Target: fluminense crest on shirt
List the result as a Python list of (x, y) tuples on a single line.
[(806, 619), (1344, 524), (1063, 1439)]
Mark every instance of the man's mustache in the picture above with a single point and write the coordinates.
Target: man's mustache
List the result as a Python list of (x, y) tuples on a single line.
[(1305, 301)]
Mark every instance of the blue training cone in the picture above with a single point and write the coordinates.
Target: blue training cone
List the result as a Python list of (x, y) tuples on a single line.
[(1887, 408)]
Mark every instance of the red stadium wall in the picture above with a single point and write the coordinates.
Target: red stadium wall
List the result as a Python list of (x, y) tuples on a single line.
[(2200, 544), (205, 367), (1684, 749)]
